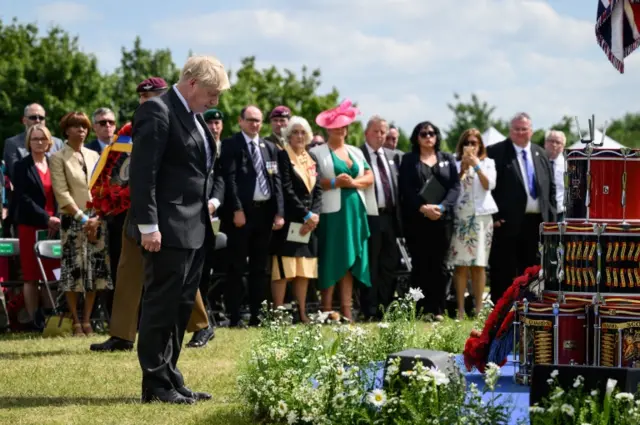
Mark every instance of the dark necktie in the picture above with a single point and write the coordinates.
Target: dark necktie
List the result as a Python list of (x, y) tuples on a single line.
[(531, 178), (257, 165), (384, 179)]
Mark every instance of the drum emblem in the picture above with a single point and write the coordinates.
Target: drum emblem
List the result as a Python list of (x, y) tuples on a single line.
[(605, 190)]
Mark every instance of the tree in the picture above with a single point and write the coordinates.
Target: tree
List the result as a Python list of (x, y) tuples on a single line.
[(136, 65), (50, 70), (475, 114), (626, 130), (269, 88)]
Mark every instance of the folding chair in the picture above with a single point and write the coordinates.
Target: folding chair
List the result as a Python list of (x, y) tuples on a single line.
[(51, 249)]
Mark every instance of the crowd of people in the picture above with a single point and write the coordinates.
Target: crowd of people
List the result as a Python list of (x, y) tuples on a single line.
[(295, 207)]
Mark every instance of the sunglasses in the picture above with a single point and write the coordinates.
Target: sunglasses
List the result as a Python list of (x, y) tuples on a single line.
[(36, 117), (470, 143), (105, 122), (424, 134)]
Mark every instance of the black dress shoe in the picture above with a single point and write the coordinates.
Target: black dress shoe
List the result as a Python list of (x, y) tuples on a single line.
[(202, 337), (113, 344), (165, 396), (186, 392)]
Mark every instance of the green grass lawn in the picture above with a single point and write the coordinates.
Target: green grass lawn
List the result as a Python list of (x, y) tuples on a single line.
[(59, 381)]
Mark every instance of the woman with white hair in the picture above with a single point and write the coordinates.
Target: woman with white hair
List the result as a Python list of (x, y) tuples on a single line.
[(295, 256)]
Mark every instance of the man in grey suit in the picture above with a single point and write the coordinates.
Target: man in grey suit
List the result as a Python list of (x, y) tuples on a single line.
[(171, 178), (385, 227), (15, 148)]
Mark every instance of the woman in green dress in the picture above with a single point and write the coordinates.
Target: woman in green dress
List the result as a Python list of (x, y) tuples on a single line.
[(347, 199)]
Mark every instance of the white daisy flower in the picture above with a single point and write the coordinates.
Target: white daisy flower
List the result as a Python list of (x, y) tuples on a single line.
[(377, 397)]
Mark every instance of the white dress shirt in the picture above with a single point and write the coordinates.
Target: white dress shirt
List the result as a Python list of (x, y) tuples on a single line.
[(558, 177), (257, 193), (382, 202), (533, 206), (150, 228)]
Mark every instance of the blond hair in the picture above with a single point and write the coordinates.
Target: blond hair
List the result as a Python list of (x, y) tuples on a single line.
[(45, 131), (206, 70)]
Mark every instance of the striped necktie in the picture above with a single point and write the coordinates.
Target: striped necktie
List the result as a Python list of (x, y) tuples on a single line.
[(258, 166)]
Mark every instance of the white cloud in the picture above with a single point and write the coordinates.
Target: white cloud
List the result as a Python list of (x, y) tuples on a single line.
[(405, 58), (65, 12)]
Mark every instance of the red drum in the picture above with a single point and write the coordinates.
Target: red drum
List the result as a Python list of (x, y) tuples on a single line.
[(591, 258), (603, 185), (617, 336), (551, 334)]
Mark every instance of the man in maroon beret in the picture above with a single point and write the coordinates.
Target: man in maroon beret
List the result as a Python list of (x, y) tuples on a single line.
[(151, 87), (279, 119)]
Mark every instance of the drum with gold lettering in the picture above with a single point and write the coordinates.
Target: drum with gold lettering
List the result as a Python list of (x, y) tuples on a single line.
[(591, 257), (551, 334), (617, 335)]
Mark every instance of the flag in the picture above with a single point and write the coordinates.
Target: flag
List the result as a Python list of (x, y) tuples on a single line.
[(617, 29)]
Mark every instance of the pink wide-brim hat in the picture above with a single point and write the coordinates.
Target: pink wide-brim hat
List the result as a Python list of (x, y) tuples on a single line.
[(338, 117)]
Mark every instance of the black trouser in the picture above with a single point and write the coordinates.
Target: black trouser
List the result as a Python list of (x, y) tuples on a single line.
[(207, 269), (251, 240), (172, 276), (512, 251), (428, 244), (383, 263)]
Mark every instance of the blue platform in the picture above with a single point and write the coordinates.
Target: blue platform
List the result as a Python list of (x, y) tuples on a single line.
[(518, 394)]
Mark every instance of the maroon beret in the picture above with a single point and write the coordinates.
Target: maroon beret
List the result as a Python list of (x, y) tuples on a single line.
[(280, 112), (152, 84)]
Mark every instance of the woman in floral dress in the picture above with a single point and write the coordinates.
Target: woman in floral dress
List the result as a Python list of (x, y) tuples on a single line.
[(473, 225)]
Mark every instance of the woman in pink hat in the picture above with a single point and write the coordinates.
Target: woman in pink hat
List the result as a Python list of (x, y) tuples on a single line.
[(347, 199)]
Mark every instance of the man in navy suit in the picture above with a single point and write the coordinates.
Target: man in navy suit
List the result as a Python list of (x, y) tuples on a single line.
[(253, 207), (104, 125)]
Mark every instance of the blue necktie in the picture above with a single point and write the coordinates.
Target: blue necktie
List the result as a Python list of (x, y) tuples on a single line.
[(531, 178)]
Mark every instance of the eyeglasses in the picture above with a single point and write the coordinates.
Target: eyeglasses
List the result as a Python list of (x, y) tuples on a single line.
[(105, 122), (39, 139), (36, 117), (424, 134)]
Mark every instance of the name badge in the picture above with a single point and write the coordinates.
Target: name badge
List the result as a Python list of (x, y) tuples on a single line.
[(272, 167)]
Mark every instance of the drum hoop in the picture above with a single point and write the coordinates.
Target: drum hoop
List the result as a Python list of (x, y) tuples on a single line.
[(624, 300), (635, 231), (578, 155), (618, 326)]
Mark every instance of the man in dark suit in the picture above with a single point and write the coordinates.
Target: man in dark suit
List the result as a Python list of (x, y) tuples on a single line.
[(278, 118), (171, 176), (391, 141), (385, 227), (253, 207), (525, 194), (104, 125)]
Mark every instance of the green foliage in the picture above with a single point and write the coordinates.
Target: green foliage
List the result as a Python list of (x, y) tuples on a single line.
[(475, 114), (626, 130), (49, 69), (137, 65)]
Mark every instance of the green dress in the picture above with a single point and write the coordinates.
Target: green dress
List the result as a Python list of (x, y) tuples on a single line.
[(343, 235)]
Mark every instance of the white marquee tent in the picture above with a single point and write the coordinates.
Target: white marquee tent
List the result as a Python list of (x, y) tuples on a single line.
[(492, 136), (609, 143)]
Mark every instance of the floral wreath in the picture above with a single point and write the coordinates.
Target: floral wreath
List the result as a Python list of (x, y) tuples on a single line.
[(110, 180)]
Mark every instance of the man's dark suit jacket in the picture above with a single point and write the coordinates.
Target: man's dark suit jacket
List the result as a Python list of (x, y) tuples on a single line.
[(510, 194), (393, 160), (169, 178), (30, 196), (95, 145), (240, 176)]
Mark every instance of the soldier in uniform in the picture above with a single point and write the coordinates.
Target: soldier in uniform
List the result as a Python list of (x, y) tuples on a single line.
[(279, 118), (130, 276)]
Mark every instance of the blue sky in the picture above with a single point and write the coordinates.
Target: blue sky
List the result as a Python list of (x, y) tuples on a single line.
[(402, 59)]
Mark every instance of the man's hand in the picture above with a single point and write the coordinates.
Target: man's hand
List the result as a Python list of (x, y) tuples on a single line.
[(212, 209), (239, 220), (152, 241), (278, 222), (498, 223)]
